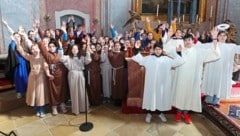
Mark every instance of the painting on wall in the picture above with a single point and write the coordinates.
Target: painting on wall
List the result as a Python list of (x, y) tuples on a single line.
[(152, 6)]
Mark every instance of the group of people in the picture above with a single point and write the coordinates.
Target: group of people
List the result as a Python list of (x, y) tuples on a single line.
[(67, 62)]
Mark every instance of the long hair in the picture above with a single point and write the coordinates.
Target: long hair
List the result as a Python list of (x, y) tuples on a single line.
[(71, 54)]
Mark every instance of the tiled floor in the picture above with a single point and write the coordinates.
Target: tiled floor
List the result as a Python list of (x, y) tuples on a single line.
[(108, 121)]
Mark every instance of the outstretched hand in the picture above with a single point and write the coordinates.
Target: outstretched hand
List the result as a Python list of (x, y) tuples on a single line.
[(4, 22), (170, 32), (214, 33), (179, 48), (147, 19), (60, 43)]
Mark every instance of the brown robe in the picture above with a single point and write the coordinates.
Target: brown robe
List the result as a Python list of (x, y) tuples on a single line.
[(94, 80), (117, 60), (59, 90)]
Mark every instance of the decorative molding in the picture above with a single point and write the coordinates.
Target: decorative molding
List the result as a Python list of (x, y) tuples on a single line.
[(227, 126), (59, 14)]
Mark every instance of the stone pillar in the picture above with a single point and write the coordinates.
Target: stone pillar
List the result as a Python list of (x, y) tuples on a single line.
[(169, 12), (193, 11), (171, 7), (179, 10)]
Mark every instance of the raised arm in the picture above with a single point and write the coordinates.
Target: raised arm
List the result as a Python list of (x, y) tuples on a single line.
[(87, 58), (20, 50), (148, 25), (10, 30)]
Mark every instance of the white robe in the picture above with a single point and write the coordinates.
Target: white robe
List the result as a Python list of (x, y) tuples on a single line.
[(172, 44), (218, 75), (187, 78), (106, 71), (76, 80), (157, 87)]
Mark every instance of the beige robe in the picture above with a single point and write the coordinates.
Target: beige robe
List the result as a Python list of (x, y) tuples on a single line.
[(76, 80)]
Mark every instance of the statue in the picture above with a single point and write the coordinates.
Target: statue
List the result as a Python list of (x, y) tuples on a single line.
[(134, 16)]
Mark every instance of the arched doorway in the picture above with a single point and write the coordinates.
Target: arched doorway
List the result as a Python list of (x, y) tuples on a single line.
[(80, 17)]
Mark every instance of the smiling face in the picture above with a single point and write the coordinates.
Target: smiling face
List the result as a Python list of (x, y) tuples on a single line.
[(178, 34), (35, 50), (222, 37), (52, 47), (75, 50), (188, 42)]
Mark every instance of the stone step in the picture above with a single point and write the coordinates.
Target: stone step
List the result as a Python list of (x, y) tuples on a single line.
[(9, 101)]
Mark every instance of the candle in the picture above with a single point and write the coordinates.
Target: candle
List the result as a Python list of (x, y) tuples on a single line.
[(157, 9), (211, 11), (197, 18), (183, 16)]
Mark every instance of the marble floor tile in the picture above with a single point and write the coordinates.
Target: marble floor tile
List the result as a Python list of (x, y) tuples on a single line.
[(108, 120), (7, 126), (32, 129)]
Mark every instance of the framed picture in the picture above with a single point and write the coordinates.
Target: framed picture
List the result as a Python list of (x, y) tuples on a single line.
[(160, 7), (152, 6)]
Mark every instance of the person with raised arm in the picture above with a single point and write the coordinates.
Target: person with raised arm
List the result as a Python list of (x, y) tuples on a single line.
[(187, 78), (157, 94), (38, 88), (75, 63)]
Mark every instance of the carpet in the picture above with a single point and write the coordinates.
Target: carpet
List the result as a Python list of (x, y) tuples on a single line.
[(5, 84)]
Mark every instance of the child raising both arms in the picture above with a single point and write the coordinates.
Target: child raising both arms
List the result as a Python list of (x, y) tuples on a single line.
[(38, 88), (75, 64)]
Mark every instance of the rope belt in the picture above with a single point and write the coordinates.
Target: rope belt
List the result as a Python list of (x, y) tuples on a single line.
[(114, 73)]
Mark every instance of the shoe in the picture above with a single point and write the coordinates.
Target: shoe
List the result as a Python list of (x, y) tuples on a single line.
[(162, 117), (148, 118), (187, 118), (38, 114), (178, 116), (19, 95), (42, 115), (63, 107), (54, 110)]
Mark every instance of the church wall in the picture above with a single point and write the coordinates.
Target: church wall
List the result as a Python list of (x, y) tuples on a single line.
[(16, 12), (115, 12), (229, 9), (84, 6), (232, 14)]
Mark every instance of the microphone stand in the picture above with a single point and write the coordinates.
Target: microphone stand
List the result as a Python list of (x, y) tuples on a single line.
[(86, 126)]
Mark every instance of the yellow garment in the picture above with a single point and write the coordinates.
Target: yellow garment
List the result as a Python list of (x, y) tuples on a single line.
[(157, 36)]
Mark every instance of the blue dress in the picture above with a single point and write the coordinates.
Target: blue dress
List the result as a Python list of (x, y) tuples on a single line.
[(20, 77)]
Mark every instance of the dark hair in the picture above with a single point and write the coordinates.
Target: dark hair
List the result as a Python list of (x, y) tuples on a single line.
[(221, 32), (187, 36), (29, 32), (158, 44), (157, 28), (52, 42), (71, 54)]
